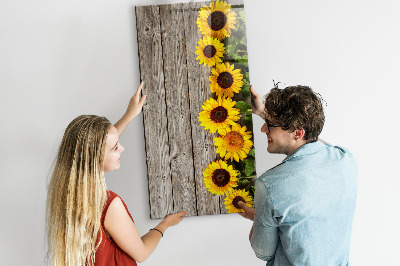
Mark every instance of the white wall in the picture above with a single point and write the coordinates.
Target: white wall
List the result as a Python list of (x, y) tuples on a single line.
[(60, 59)]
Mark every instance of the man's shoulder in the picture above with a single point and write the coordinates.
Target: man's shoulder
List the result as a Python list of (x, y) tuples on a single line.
[(308, 163), (275, 174), (318, 155)]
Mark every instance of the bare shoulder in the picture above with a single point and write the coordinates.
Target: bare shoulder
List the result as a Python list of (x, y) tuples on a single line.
[(122, 229), (116, 204), (115, 211)]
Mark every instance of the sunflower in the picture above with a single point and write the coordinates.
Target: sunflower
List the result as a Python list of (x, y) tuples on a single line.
[(234, 143), (210, 51), (220, 177), (233, 198), (218, 114), (217, 20), (225, 80)]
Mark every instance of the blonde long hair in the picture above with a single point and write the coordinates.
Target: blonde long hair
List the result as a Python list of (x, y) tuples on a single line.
[(77, 193)]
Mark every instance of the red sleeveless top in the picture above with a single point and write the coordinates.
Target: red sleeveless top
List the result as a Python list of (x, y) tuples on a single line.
[(109, 253)]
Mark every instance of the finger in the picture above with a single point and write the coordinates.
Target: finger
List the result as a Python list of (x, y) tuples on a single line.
[(139, 89), (243, 214), (182, 214), (244, 206), (142, 100), (253, 92)]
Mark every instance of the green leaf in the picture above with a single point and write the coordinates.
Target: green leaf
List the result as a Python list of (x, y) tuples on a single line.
[(243, 40), (251, 190), (233, 40), (230, 49), (242, 28), (239, 166), (252, 153), (242, 15), (249, 113), (248, 166), (248, 121), (237, 33), (242, 183), (237, 57), (242, 106), (250, 176), (245, 89), (247, 76)]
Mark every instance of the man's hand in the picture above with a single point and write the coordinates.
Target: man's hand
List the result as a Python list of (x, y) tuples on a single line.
[(257, 104), (248, 211)]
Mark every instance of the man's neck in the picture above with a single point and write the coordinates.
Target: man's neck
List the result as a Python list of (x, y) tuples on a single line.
[(297, 145)]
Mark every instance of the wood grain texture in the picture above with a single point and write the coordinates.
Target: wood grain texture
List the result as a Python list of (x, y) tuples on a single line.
[(204, 151), (154, 110), (178, 115), (178, 149)]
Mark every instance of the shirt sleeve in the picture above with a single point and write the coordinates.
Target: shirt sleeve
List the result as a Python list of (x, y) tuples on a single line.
[(264, 239)]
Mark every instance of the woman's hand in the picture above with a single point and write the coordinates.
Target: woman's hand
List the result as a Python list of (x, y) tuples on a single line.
[(122, 229), (135, 105), (257, 104), (174, 219), (133, 110), (170, 220)]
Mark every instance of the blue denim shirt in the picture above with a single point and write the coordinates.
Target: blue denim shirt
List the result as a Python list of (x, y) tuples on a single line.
[(305, 206)]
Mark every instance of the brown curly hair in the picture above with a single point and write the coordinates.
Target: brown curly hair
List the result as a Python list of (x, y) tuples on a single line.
[(297, 107)]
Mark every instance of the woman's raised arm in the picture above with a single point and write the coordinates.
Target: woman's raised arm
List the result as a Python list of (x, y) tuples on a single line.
[(134, 107)]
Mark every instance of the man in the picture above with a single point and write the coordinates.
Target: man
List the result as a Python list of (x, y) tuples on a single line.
[(304, 206)]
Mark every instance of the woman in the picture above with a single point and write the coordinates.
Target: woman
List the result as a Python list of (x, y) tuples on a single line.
[(87, 224)]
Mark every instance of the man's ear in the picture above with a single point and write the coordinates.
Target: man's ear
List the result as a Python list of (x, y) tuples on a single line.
[(299, 134)]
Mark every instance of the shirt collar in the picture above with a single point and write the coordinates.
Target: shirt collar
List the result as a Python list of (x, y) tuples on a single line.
[(306, 149)]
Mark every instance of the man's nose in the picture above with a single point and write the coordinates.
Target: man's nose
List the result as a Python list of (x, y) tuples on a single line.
[(264, 128)]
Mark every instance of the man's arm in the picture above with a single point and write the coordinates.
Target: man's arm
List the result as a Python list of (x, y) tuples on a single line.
[(248, 214), (264, 235)]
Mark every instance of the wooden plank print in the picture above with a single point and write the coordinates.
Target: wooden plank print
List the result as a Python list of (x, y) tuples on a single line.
[(155, 121), (178, 149), (177, 98), (204, 150)]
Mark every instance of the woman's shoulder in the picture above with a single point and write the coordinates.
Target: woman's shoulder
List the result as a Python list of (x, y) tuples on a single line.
[(115, 202), (111, 195)]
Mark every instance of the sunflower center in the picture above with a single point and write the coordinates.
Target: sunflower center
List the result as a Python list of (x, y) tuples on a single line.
[(209, 51), (216, 20), (221, 177), (219, 114), (225, 80), (234, 141), (236, 200)]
